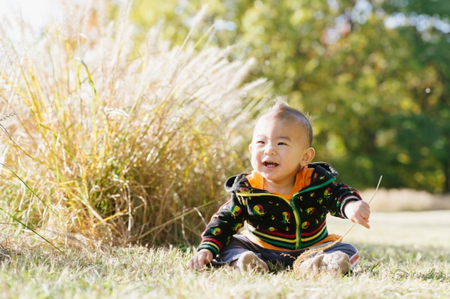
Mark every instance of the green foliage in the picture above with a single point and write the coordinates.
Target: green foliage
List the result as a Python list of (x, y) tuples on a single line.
[(364, 70), (431, 7)]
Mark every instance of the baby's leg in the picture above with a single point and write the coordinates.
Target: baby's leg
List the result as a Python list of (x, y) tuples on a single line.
[(344, 249), (248, 261), (241, 254), (340, 258)]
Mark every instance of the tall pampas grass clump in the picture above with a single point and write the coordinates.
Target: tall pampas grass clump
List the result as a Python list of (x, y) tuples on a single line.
[(104, 138)]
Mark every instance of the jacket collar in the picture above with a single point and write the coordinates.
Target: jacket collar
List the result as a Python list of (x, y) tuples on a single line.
[(324, 170)]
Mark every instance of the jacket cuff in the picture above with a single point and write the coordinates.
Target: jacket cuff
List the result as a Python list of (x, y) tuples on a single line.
[(211, 247), (346, 201)]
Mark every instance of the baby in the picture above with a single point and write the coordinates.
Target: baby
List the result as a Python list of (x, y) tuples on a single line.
[(285, 201)]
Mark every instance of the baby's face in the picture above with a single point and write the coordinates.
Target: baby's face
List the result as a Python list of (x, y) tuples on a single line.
[(278, 149)]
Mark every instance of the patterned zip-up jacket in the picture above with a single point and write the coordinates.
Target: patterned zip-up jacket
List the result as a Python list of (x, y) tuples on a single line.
[(286, 224)]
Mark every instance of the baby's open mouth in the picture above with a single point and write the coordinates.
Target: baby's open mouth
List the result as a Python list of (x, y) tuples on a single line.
[(270, 164)]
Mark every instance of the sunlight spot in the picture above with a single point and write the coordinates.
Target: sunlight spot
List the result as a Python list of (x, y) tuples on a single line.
[(331, 108), (356, 106)]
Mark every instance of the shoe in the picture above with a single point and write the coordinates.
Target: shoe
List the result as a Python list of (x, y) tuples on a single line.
[(249, 262), (336, 261)]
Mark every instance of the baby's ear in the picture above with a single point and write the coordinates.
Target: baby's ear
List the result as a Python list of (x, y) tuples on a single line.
[(308, 156), (250, 147)]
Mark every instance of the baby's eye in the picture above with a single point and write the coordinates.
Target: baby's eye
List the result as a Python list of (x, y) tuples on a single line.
[(260, 142), (282, 143)]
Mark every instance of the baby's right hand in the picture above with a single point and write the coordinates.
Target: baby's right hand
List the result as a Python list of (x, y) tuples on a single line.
[(200, 259)]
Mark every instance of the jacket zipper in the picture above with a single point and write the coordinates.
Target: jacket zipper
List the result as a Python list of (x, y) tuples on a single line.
[(297, 214), (292, 205)]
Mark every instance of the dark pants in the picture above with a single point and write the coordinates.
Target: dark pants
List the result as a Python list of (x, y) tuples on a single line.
[(240, 244)]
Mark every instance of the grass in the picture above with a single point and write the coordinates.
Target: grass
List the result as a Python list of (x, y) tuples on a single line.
[(403, 255)]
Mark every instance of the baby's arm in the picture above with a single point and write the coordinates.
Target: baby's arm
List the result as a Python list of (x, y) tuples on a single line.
[(358, 212), (200, 259), (224, 223)]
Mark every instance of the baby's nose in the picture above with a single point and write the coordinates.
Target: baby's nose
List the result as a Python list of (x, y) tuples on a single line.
[(270, 150)]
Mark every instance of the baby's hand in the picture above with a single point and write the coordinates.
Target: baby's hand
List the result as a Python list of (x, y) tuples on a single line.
[(358, 211), (200, 259)]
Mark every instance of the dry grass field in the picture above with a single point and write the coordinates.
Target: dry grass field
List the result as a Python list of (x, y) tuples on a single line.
[(403, 255)]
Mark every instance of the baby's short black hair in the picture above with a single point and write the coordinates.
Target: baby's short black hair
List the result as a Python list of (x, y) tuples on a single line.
[(282, 110)]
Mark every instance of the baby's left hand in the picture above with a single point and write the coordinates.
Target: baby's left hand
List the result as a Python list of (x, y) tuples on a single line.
[(358, 211)]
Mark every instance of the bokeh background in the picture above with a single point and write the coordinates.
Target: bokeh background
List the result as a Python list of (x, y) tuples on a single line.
[(373, 75)]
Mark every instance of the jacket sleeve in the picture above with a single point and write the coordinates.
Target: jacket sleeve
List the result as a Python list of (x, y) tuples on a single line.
[(224, 223), (337, 195)]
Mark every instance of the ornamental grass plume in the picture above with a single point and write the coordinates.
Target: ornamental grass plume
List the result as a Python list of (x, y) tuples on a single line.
[(120, 141)]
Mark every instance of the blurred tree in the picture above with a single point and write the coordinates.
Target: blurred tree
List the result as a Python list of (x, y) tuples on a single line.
[(424, 132), (428, 127), (372, 74), (419, 7)]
